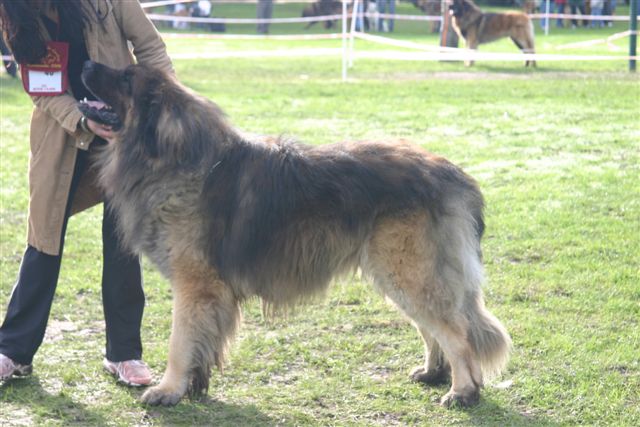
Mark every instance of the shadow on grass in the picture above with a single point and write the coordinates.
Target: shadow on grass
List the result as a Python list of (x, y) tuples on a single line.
[(204, 411), (493, 413), (489, 412), (59, 407)]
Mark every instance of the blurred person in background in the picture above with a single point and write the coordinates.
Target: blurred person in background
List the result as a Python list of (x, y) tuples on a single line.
[(560, 7), (386, 6), (596, 10), (575, 7), (264, 11)]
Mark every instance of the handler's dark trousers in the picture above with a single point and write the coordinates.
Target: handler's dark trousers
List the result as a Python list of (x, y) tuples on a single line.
[(122, 297)]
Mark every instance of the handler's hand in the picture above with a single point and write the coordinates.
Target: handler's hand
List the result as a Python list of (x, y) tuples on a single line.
[(103, 131)]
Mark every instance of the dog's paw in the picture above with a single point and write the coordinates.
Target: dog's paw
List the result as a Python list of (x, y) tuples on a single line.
[(462, 400), (430, 377), (159, 395)]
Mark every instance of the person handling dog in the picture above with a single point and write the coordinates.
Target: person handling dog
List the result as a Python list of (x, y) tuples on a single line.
[(51, 40)]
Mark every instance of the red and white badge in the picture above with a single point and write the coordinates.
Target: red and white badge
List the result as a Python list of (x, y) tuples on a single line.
[(50, 77)]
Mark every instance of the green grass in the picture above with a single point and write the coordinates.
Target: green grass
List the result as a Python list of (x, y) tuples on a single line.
[(557, 154)]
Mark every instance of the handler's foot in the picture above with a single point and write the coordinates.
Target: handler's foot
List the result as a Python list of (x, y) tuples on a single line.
[(134, 373), (9, 368)]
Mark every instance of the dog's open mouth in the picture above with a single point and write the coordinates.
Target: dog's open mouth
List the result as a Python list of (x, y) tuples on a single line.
[(104, 115)]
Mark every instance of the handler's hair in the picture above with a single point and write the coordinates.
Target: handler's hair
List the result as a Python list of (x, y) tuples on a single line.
[(19, 22)]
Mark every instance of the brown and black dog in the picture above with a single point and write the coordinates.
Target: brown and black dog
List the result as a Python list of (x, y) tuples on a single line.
[(227, 217), (477, 27)]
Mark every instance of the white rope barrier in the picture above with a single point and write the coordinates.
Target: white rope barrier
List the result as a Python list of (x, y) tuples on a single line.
[(579, 17), (460, 56), (162, 17), (205, 20), (426, 18), (465, 55), (150, 4), (214, 36), (402, 43), (588, 43), (276, 53), (441, 53)]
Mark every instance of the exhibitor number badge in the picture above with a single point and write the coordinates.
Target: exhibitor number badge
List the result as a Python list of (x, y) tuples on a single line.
[(50, 77)]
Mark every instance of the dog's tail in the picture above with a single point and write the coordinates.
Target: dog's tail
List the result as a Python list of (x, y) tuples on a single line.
[(460, 232), (488, 337)]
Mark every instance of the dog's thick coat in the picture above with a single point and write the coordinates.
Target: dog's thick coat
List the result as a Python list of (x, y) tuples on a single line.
[(477, 27), (226, 218)]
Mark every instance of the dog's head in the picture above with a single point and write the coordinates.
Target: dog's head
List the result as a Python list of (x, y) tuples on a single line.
[(160, 116), (123, 90), (459, 7)]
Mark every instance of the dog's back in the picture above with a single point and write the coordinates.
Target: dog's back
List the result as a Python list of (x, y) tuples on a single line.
[(508, 24)]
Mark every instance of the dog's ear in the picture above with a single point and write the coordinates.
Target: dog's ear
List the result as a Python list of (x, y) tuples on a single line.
[(150, 111)]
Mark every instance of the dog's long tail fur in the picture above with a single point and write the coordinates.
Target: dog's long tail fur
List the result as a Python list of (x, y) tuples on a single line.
[(460, 233), (488, 337)]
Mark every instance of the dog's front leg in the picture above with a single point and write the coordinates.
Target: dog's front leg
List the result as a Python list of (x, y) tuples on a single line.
[(471, 42), (175, 380), (206, 316)]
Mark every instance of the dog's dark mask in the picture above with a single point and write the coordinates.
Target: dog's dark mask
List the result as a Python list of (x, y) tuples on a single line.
[(124, 91), (113, 87), (457, 9)]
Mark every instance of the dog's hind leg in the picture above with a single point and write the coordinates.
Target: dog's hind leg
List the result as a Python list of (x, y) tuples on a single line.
[(520, 46), (432, 272), (436, 369), (205, 318), (525, 42), (526, 47), (517, 43)]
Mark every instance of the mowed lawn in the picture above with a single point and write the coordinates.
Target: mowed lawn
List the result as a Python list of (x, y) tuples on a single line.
[(556, 152)]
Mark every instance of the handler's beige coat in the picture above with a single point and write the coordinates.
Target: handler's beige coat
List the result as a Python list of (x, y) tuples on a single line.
[(55, 135)]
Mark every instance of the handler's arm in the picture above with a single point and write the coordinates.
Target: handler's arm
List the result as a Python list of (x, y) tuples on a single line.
[(148, 47), (63, 108)]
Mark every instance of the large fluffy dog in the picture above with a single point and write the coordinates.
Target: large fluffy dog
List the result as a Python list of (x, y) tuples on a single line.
[(227, 218), (477, 27)]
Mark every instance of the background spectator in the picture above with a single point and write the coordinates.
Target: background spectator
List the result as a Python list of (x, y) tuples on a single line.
[(596, 10), (544, 21), (386, 6), (202, 10), (577, 6), (180, 10), (609, 9), (560, 7), (265, 9)]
